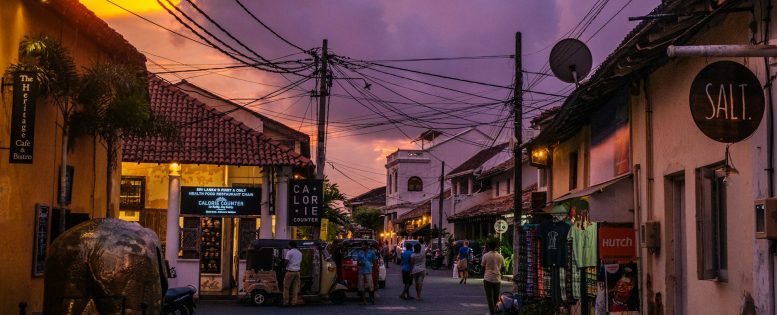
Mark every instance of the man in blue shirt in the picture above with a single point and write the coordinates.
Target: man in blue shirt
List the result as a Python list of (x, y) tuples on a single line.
[(365, 260), (407, 268), (463, 262)]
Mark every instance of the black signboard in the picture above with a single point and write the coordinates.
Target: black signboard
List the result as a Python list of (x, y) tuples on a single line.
[(727, 101), (40, 239), (23, 117), (221, 201), (306, 199)]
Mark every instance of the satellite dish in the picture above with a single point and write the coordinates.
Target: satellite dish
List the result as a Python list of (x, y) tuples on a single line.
[(570, 60)]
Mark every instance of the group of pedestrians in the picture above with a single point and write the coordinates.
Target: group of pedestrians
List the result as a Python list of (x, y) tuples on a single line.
[(492, 262), (413, 270)]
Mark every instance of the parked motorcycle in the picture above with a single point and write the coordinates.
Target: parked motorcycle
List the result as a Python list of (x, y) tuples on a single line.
[(434, 259), (475, 268), (179, 301)]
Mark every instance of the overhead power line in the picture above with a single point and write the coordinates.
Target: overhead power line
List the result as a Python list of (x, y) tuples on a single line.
[(267, 27)]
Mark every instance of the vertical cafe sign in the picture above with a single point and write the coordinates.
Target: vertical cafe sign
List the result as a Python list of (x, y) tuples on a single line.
[(23, 117), (306, 197)]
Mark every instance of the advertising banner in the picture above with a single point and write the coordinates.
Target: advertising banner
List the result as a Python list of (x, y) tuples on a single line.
[(622, 281), (617, 244), (306, 199), (221, 201), (23, 118)]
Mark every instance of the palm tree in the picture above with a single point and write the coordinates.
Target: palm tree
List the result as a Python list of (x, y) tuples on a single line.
[(115, 105), (331, 211), (58, 81), (110, 101)]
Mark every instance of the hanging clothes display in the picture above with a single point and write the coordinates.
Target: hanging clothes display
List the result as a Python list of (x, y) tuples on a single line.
[(561, 260), (532, 257), (584, 237), (553, 235)]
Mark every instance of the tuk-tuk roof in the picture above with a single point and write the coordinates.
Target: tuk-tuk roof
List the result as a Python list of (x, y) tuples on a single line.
[(279, 243)]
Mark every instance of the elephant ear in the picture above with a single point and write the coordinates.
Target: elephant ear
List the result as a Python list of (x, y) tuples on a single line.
[(90, 308)]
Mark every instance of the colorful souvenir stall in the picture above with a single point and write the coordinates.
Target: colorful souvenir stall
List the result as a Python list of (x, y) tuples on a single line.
[(569, 261)]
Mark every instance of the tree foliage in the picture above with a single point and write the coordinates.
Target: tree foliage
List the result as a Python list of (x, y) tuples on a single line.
[(333, 198), (54, 67), (368, 217), (114, 105), (109, 100)]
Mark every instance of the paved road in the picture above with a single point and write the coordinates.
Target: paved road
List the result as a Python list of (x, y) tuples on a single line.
[(442, 295)]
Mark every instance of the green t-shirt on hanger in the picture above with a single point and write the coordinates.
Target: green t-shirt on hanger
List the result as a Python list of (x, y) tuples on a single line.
[(584, 245)]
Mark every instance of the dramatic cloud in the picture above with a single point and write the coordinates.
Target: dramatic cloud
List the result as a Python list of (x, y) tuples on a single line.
[(370, 30)]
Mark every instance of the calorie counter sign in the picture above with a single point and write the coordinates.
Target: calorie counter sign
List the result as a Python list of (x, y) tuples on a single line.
[(306, 198)]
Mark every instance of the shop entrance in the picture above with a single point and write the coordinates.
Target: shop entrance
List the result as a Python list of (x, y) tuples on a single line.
[(223, 241)]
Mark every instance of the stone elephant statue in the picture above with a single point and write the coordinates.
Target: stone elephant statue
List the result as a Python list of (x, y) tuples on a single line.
[(104, 266)]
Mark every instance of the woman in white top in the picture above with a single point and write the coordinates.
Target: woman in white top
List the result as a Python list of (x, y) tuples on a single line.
[(418, 261), (493, 262)]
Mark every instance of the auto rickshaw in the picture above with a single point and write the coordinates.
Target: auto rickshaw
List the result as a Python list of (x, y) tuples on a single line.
[(346, 252), (263, 278)]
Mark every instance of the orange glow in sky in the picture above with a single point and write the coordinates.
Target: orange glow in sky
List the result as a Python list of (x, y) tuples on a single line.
[(105, 9)]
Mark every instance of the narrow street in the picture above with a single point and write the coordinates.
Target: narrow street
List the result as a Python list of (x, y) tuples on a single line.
[(441, 295)]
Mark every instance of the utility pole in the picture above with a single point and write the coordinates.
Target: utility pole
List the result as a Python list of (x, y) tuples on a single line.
[(517, 155), (439, 207), (322, 93), (321, 139)]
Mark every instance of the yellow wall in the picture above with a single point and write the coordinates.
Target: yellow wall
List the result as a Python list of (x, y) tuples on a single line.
[(560, 162), (21, 185), (191, 175)]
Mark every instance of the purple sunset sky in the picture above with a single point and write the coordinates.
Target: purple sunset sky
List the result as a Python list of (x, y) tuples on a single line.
[(377, 30)]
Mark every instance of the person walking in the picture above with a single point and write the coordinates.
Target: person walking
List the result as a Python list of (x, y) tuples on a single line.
[(291, 279), (384, 252), (463, 263), (493, 262), (365, 259), (418, 259), (407, 268)]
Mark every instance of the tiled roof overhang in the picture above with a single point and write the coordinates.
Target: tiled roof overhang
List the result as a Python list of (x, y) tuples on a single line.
[(206, 136), (495, 207), (641, 52), (424, 208), (477, 160)]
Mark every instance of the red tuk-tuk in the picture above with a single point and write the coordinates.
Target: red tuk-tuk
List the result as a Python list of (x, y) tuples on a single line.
[(345, 253)]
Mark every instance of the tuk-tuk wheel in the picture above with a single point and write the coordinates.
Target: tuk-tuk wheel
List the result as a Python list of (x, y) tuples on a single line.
[(259, 297), (337, 297)]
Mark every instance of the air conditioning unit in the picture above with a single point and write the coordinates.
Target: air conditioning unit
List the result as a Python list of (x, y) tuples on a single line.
[(766, 218)]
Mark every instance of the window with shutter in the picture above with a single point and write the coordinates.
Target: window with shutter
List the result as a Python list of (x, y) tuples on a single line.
[(572, 170), (711, 236), (190, 238), (389, 184), (132, 194), (415, 184)]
